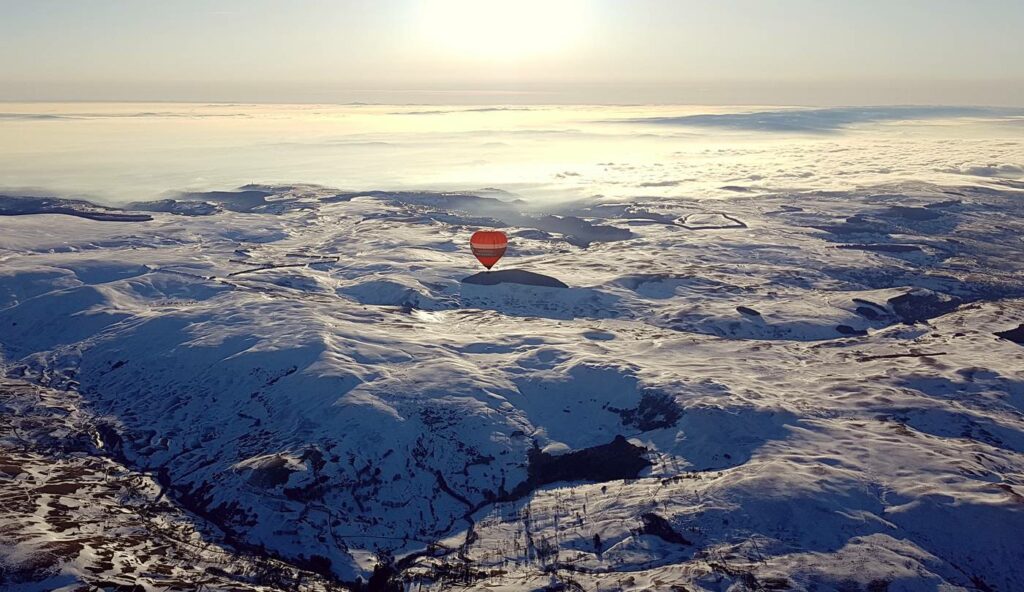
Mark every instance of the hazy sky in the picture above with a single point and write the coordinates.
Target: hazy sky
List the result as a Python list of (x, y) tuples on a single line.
[(522, 51)]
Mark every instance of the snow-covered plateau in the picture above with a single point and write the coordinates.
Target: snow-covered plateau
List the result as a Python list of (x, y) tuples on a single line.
[(819, 390), (729, 349)]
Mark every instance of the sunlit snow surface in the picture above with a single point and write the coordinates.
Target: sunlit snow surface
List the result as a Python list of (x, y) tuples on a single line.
[(814, 374)]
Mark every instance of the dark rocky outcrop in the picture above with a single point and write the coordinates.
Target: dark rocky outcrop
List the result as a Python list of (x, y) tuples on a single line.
[(921, 305), (24, 206), (514, 276), (655, 525), (868, 313), (654, 411), (179, 207), (608, 462), (882, 248), (912, 213), (1014, 335)]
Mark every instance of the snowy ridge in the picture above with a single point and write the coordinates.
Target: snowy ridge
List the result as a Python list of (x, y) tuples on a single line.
[(813, 382), (74, 513)]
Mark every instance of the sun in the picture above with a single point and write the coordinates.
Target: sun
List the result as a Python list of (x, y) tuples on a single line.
[(503, 29)]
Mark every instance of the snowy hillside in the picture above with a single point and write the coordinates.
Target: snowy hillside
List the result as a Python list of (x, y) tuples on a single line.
[(789, 391)]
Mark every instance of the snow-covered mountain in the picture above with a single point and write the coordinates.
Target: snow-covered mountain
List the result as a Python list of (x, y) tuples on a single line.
[(805, 391)]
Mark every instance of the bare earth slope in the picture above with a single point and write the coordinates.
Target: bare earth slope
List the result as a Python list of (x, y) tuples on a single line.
[(800, 391)]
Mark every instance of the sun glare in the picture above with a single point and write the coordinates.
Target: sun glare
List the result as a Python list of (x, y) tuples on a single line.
[(504, 29)]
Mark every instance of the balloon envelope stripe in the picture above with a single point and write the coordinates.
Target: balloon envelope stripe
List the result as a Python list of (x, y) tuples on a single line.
[(479, 252)]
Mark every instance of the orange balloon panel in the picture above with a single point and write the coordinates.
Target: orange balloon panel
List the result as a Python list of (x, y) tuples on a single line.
[(488, 246)]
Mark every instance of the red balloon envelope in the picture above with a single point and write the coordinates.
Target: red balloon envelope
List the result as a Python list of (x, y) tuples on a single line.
[(488, 246)]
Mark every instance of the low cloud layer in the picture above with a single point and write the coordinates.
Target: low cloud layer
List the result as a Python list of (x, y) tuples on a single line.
[(1001, 171), (121, 153), (823, 121)]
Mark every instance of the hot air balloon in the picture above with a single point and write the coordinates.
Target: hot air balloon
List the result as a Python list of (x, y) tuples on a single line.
[(488, 246)]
